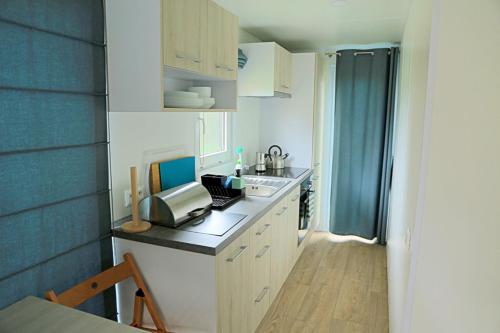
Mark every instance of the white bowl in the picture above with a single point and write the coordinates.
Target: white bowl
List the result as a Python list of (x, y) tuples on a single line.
[(183, 102), (186, 94), (208, 102), (202, 91)]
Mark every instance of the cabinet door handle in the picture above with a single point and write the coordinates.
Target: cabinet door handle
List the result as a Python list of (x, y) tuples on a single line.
[(179, 56), (295, 197), (264, 228), (261, 295), (239, 253), (224, 67), (282, 211), (262, 252)]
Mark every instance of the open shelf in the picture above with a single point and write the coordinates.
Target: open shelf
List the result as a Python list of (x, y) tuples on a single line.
[(224, 91)]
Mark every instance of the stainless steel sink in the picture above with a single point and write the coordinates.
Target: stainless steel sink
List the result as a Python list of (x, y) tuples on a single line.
[(262, 186)]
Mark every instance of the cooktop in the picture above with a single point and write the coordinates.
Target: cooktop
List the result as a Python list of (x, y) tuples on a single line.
[(216, 223), (287, 172)]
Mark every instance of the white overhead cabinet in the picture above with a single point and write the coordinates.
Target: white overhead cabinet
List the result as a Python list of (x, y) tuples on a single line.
[(268, 71), (170, 45)]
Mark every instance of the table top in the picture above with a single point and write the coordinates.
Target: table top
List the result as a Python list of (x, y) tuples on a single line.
[(35, 315)]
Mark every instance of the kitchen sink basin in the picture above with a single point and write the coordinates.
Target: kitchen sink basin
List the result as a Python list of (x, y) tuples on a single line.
[(263, 187)]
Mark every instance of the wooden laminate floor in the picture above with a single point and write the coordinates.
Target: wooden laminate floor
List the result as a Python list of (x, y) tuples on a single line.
[(334, 287)]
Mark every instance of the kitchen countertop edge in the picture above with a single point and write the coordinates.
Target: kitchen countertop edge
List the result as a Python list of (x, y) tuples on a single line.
[(154, 235)]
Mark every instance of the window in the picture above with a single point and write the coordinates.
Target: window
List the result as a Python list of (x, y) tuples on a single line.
[(215, 138)]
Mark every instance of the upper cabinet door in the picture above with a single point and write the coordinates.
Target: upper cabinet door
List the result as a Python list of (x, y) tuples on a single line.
[(287, 68), (184, 29), (222, 43), (230, 34), (283, 70)]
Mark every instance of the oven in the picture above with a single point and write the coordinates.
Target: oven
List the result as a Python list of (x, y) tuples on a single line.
[(306, 211)]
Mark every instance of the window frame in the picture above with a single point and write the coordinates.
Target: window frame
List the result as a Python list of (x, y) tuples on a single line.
[(218, 158)]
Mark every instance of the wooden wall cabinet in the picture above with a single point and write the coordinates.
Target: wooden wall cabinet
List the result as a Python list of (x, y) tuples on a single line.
[(184, 33), (201, 37), (170, 45), (222, 43), (268, 71), (283, 70)]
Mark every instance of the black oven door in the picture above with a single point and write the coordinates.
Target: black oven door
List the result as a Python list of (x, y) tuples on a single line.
[(306, 208)]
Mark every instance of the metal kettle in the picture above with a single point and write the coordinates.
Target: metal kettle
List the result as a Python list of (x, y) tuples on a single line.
[(276, 160)]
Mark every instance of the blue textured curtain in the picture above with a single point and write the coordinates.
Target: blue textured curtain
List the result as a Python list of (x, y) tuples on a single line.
[(362, 147), (54, 199)]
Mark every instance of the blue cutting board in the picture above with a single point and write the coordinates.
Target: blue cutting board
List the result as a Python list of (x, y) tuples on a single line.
[(177, 172)]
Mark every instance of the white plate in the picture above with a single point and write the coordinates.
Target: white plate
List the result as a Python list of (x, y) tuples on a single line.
[(186, 94), (202, 91), (183, 102), (208, 102)]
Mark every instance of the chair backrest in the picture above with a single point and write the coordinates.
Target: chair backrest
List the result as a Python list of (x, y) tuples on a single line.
[(84, 291)]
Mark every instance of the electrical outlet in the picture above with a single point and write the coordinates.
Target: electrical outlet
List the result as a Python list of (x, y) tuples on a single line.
[(127, 196)]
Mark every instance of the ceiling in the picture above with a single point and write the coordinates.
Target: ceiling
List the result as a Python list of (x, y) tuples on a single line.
[(321, 24)]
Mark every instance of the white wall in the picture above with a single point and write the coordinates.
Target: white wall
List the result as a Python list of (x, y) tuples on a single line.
[(288, 122), (134, 133), (323, 134), (457, 268), (408, 135)]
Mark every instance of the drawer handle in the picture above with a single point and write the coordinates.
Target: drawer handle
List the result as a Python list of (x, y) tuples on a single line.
[(177, 55), (261, 295), (261, 231), (295, 197), (282, 211), (196, 60), (224, 67), (240, 251), (262, 252)]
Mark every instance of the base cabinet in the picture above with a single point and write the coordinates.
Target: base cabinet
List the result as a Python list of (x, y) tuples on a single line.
[(227, 293), (233, 286)]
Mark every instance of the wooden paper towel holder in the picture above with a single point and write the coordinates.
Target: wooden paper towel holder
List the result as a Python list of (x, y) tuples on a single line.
[(136, 225)]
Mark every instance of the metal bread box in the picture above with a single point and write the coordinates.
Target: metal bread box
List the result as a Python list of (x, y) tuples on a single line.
[(176, 206)]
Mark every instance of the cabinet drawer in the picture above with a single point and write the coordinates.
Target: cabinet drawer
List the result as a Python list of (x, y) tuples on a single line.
[(261, 232), (294, 196)]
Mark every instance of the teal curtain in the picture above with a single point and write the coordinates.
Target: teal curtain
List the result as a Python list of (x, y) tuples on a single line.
[(362, 147), (54, 199)]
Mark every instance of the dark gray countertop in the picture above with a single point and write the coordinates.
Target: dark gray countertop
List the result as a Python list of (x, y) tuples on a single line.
[(253, 207)]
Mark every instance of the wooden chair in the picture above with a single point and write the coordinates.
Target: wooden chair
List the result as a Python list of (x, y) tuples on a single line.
[(97, 284)]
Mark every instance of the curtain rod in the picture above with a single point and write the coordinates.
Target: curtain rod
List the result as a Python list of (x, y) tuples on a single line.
[(331, 54)]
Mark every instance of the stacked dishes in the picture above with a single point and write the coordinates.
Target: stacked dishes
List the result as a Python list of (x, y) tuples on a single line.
[(195, 98), (242, 59)]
